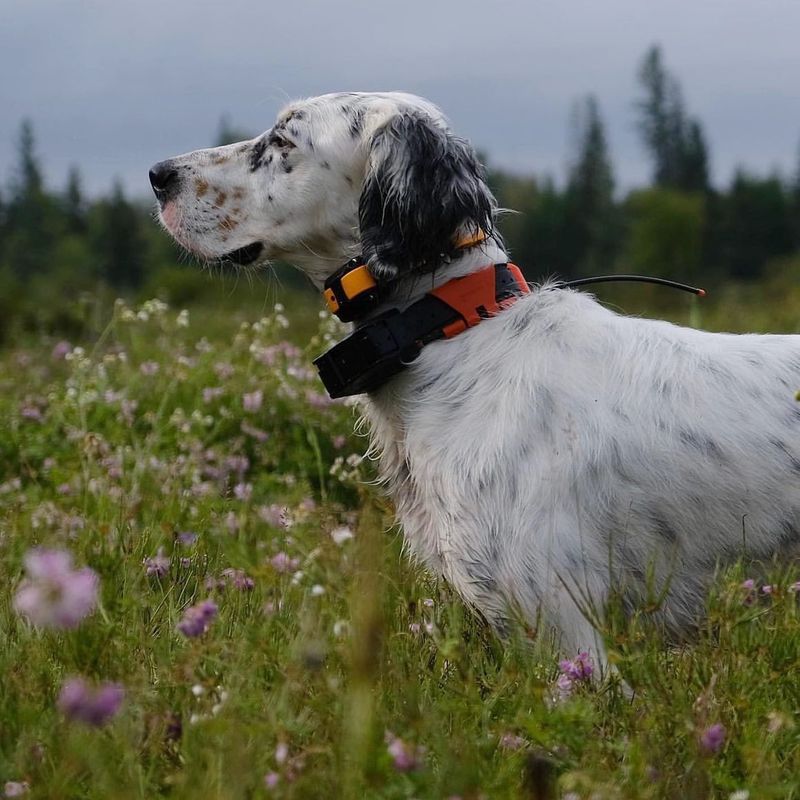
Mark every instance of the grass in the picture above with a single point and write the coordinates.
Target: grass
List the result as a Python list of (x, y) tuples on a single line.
[(117, 450)]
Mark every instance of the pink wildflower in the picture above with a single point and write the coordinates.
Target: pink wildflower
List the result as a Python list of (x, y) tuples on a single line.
[(251, 401), (405, 757), (31, 412), (712, 738), (15, 788), (749, 587), (573, 672), (243, 491), (79, 702), (274, 515), (341, 535), (281, 562), (767, 589), (158, 565), (60, 350), (212, 393), (256, 433), (149, 368), (223, 370), (197, 618), (511, 741), (237, 578), (271, 780), (54, 595)]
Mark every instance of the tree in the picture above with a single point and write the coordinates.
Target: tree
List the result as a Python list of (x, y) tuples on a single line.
[(591, 214), (757, 224), (74, 203), (118, 242), (675, 143), (666, 233), (33, 220), (28, 178)]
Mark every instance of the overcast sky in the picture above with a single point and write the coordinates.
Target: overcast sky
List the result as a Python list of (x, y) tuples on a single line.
[(114, 86)]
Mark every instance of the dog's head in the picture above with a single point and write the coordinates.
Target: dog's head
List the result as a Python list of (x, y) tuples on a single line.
[(337, 175)]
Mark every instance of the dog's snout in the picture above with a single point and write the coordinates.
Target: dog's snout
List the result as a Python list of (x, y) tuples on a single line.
[(164, 180)]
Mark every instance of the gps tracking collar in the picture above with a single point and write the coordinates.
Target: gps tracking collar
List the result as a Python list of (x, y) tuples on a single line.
[(383, 346)]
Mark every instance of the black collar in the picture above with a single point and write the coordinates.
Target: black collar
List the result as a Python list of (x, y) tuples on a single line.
[(383, 346)]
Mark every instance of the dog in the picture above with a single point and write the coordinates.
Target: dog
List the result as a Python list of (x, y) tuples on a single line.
[(551, 455)]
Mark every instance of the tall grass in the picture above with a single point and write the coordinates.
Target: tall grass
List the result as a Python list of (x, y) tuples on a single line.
[(345, 671)]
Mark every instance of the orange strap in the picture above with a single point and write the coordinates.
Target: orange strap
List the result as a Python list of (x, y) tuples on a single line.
[(474, 297)]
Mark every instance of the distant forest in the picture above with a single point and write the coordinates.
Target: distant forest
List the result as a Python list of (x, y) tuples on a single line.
[(55, 245)]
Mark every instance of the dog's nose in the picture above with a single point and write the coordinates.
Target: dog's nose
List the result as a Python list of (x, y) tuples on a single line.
[(164, 180)]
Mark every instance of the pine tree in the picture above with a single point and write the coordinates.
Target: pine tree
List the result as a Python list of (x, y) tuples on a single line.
[(675, 143), (28, 179), (74, 203), (32, 219), (592, 228), (694, 159), (118, 241)]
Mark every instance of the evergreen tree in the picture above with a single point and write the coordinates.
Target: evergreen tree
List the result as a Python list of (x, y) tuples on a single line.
[(74, 203), (592, 235), (796, 200), (32, 219), (694, 159), (28, 179), (118, 242), (758, 224), (675, 143)]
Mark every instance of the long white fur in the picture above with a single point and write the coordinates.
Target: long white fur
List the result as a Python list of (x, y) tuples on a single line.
[(557, 450)]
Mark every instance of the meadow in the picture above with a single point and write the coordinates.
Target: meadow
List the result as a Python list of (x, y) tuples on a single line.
[(204, 596)]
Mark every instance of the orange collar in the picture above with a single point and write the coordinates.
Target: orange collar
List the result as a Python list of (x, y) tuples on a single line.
[(384, 345), (352, 290)]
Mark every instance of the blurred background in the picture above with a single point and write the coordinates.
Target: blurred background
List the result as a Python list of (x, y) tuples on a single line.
[(629, 136)]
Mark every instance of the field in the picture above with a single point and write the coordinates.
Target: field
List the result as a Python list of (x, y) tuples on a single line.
[(191, 461)]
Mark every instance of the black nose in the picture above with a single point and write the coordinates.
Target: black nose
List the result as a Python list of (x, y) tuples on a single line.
[(164, 180)]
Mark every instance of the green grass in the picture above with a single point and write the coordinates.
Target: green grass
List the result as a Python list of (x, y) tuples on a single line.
[(113, 464)]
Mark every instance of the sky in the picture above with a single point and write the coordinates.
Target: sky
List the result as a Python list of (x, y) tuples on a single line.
[(115, 86)]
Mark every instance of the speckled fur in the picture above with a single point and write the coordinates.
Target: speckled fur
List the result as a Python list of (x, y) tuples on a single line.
[(558, 449)]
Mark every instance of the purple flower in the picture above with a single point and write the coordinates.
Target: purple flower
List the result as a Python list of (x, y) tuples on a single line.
[(197, 618), (60, 350), (79, 702), (158, 565), (712, 738), (283, 563), (749, 587), (31, 412), (149, 368), (573, 672), (251, 401), (256, 433), (767, 588), (405, 757), (274, 515), (54, 595), (15, 788), (211, 393), (187, 538), (243, 491), (271, 780), (510, 741), (238, 578)]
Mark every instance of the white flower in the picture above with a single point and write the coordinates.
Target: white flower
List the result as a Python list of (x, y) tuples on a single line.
[(341, 535)]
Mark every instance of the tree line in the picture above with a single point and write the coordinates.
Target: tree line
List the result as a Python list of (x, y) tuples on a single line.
[(58, 243)]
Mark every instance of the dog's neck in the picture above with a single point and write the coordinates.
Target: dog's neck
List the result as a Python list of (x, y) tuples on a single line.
[(406, 291)]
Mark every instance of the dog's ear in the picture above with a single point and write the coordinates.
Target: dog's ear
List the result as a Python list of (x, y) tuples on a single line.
[(423, 188)]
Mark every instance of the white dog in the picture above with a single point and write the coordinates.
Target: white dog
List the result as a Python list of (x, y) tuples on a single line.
[(556, 450)]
